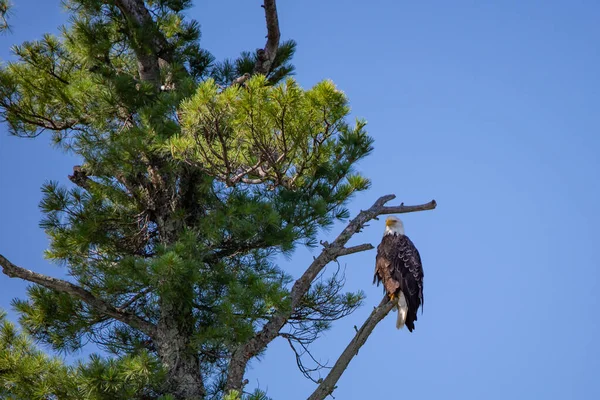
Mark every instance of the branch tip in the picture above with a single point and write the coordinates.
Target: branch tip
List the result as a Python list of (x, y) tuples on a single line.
[(13, 271)]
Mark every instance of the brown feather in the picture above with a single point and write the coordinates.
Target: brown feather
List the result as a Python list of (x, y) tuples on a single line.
[(398, 266)]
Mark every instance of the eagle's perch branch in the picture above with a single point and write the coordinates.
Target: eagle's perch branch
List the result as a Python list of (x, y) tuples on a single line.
[(327, 386), (330, 252), (13, 271)]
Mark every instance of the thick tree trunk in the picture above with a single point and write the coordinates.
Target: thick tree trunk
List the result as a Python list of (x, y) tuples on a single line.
[(184, 378)]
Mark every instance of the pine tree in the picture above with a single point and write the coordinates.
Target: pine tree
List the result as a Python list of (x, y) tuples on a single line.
[(4, 10), (195, 174), (27, 373)]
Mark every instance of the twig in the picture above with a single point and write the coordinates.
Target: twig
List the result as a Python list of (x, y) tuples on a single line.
[(327, 386), (306, 371), (354, 249)]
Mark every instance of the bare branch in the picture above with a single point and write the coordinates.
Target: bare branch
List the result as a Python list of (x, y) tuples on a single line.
[(330, 252), (267, 55), (323, 304), (402, 209), (355, 249), (13, 271), (305, 370), (328, 384)]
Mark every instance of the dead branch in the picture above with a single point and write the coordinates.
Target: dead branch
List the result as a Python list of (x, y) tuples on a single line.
[(355, 249), (13, 271), (299, 353), (266, 56), (327, 386), (330, 252)]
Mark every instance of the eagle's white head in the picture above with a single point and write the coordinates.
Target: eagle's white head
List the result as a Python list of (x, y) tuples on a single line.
[(393, 226)]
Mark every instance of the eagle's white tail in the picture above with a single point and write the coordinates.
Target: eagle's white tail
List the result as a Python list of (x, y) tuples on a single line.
[(402, 311)]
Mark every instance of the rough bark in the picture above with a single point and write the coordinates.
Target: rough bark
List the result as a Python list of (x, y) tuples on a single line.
[(13, 271), (184, 377), (267, 55), (327, 386), (175, 326), (242, 355), (150, 47)]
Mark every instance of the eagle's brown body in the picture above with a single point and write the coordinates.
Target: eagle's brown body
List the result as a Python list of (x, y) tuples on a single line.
[(398, 266)]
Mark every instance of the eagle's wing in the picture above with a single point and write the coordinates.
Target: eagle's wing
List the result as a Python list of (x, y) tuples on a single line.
[(408, 270), (384, 268)]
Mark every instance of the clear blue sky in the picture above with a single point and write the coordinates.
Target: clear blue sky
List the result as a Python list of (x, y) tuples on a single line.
[(491, 108)]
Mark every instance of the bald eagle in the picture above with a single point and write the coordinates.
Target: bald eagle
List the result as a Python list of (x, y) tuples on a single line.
[(398, 266)]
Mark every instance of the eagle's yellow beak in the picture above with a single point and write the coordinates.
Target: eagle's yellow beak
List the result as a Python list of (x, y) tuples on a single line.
[(390, 222)]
